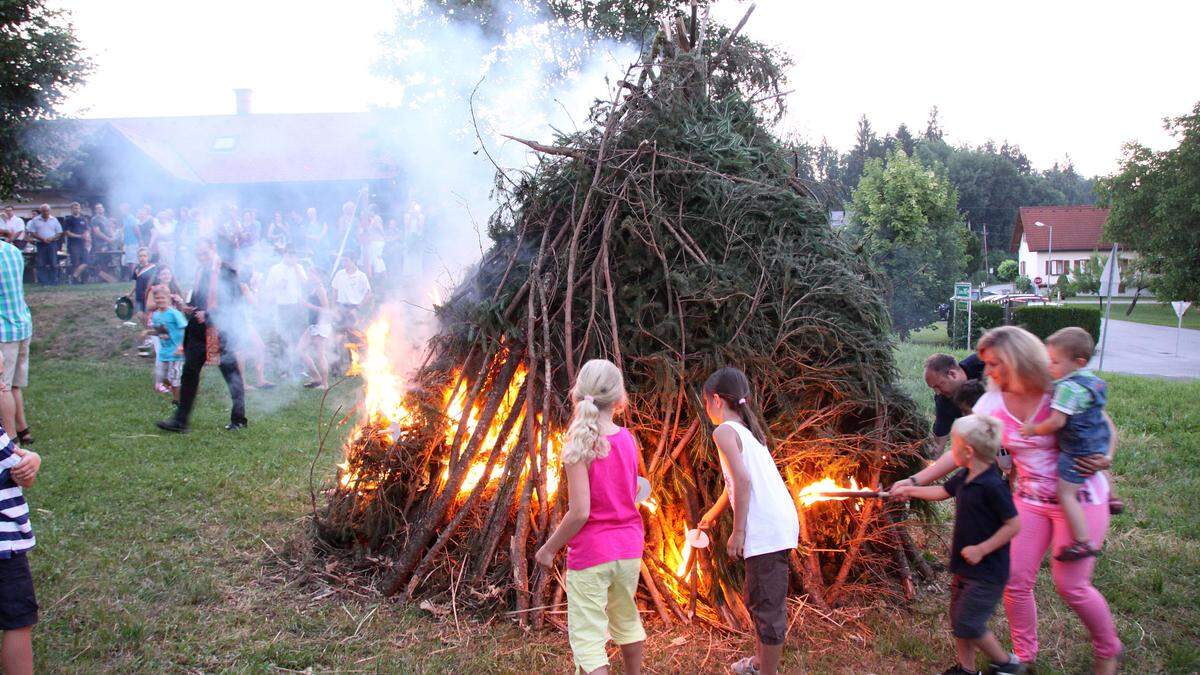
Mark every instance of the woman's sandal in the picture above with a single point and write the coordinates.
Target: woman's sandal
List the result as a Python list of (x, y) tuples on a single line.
[(1076, 551)]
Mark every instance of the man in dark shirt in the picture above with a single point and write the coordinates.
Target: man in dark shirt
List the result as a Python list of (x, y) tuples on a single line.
[(944, 374), (215, 304), (74, 226)]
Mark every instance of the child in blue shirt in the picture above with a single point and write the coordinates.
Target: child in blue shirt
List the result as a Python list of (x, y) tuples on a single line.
[(168, 324), (1077, 416)]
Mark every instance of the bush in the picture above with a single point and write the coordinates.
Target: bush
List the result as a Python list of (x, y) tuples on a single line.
[(984, 315), (1044, 321), (1023, 284), (1007, 271)]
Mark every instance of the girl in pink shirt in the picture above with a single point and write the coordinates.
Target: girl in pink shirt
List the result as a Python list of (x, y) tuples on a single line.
[(602, 527)]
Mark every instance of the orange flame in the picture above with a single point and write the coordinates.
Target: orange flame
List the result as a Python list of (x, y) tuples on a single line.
[(812, 493)]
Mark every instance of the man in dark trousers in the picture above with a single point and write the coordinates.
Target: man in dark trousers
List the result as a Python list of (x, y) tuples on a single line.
[(215, 305)]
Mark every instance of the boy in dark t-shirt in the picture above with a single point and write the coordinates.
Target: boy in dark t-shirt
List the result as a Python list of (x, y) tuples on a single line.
[(985, 521)]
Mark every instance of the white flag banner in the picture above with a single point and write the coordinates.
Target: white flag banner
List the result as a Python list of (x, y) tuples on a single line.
[(1110, 279)]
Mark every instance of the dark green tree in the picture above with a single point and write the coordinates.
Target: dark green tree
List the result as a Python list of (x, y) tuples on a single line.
[(907, 224), (42, 62), (933, 126), (1155, 202)]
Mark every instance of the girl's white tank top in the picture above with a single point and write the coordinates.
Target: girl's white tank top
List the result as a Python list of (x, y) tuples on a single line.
[(771, 521)]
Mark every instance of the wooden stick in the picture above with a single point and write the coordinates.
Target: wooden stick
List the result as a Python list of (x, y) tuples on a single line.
[(732, 34), (655, 596)]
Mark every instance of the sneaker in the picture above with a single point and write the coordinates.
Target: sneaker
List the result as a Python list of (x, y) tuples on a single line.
[(1076, 551), (171, 425), (959, 670), (744, 667), (1013, 666), (235, 426)]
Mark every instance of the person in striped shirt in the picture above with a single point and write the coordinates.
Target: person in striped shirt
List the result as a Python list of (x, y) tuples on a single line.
[(18, 603)]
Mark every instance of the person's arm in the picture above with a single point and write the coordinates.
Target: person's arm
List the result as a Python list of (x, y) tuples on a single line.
[(579, 509), (940, 467), (26, 470), (710, 517), (929, 493), (1057, 420), (1010, 528), (727, 445)]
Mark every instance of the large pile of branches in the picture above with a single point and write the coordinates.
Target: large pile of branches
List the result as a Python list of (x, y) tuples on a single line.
[(673, 238)]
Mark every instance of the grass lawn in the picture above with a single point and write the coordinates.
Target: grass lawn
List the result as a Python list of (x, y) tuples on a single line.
[(1147, 311), (162, 553)]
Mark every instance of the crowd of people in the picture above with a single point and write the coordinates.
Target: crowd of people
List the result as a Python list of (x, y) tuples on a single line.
[(1029, 450)]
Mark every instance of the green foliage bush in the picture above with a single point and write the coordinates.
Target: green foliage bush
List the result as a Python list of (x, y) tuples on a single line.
[(984, 315), (1023, 284), (1007, 271), (1044, 321)]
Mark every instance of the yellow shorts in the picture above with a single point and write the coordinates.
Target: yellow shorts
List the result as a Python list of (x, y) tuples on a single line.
[(600, 602)]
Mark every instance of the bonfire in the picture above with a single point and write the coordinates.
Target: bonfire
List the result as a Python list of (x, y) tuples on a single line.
[(671, 237)]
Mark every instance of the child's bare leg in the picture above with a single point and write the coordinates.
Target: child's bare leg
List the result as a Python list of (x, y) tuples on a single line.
[(632, 655), (1068, 500), (768, 658), (16, 651), (990, 646), (965, 649), (174, 393)]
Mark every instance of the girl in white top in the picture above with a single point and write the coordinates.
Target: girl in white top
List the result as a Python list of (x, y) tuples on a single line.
[(765, 525)]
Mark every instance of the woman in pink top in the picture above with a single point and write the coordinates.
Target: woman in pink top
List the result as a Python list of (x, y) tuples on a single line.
[(602, 527), (1016, 362)]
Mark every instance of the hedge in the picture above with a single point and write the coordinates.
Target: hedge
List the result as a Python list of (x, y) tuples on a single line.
[(984, 315), (1044, 321)]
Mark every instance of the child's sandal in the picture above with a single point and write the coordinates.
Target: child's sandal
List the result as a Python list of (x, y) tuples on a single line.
[(1116, 506), (1076, 551), (744, 667), (24, 437)]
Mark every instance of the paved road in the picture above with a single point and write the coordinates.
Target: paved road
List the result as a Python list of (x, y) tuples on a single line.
[(1143, 349)]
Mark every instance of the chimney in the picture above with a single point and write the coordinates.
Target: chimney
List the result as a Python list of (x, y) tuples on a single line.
[(242, 99)]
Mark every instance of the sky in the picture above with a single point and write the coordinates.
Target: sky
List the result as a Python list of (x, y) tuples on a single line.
[(1057, 77)]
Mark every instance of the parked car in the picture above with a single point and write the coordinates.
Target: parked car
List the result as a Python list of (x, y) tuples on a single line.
[(1019, 299)]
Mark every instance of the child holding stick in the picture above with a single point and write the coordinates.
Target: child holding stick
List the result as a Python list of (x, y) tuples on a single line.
[(985, 521), (1077, 417), (602, 526), (765, 525)]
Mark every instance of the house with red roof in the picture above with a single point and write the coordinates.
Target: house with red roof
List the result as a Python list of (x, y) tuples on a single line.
[(1051, 241)]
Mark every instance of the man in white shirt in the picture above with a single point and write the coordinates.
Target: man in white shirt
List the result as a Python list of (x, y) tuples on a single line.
[(284, 286), (46, 232), (12, 228), (351, 288)]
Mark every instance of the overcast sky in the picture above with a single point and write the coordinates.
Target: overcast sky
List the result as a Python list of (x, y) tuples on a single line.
[(1059, 78)]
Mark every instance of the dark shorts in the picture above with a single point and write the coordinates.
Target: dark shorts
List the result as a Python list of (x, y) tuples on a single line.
[(766, 595), (972, 603), (18, 605)]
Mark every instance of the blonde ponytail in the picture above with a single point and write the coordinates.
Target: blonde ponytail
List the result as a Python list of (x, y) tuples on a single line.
[(599, 386)]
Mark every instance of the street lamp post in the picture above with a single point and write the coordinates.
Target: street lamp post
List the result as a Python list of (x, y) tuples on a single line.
[(1049, 250)]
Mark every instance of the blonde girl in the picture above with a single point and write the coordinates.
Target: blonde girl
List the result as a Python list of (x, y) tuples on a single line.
[(602, 527)]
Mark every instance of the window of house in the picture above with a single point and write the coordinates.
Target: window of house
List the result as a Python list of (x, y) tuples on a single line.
[(1022, 268)]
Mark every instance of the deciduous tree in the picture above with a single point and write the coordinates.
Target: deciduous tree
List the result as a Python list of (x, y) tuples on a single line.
[(907, 224), (1155, 202), (42, 62)]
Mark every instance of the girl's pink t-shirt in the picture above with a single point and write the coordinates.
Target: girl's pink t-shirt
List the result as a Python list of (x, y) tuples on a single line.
[(614, 527), (1036, 457)]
